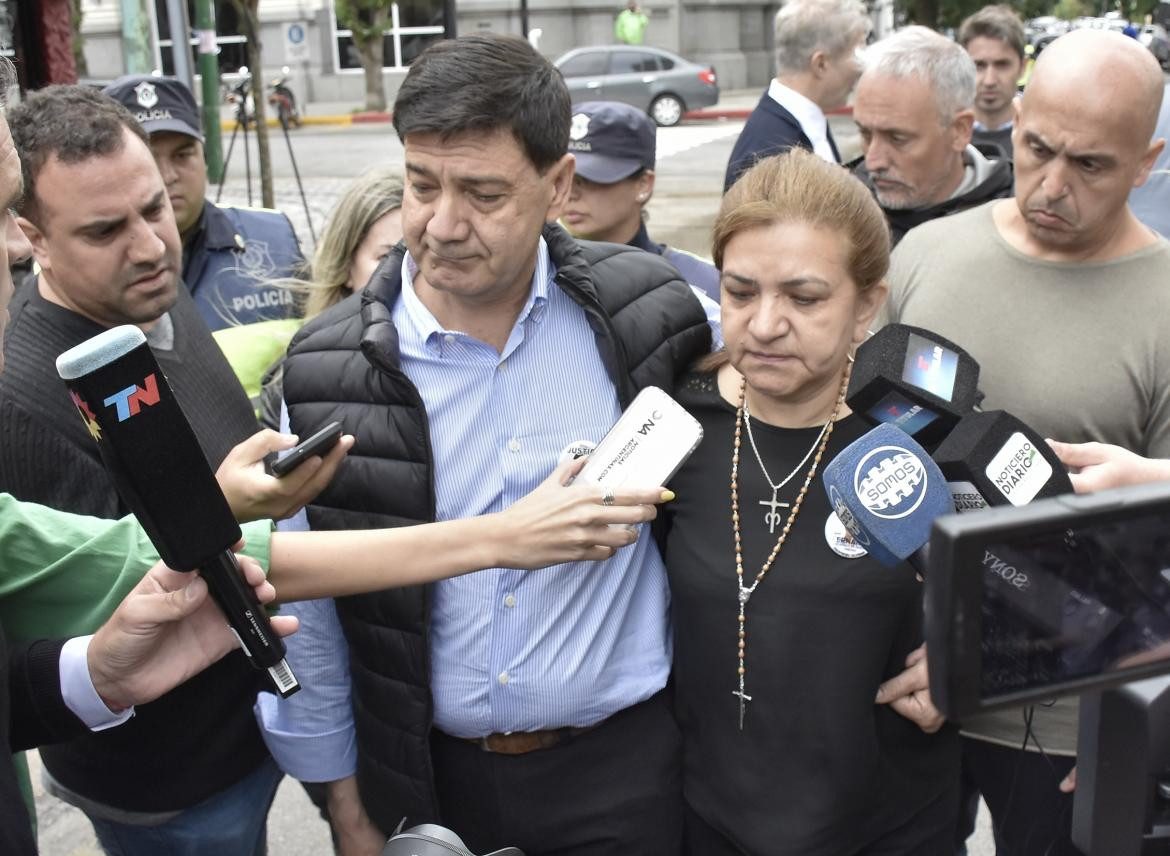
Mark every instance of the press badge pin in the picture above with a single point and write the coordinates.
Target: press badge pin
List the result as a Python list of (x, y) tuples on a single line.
[(839, 539), (576, 449)]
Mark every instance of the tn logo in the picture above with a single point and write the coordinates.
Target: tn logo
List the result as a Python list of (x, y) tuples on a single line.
[(129, 401)]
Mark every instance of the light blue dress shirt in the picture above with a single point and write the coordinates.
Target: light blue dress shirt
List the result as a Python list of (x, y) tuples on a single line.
[(510, 650)]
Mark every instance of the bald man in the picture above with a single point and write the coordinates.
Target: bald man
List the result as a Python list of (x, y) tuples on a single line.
[(1060, 294)]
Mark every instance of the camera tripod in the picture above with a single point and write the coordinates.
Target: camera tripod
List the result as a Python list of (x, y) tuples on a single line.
[(240, 94)]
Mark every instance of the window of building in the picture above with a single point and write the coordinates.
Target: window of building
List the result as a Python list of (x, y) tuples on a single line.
[(8, 28), (233, 50), (414, 26)]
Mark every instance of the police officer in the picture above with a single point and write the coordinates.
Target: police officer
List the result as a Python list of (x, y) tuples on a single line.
[(231, 255), (614, 145)]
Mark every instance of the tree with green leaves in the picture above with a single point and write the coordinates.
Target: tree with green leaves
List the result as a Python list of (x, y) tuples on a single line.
[(367, 20)]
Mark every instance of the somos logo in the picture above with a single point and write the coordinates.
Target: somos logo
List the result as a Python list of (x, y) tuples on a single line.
[(890, 482)]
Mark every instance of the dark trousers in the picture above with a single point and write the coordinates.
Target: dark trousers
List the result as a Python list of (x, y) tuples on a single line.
[(928, 833), (1029, 814), (613, 791)]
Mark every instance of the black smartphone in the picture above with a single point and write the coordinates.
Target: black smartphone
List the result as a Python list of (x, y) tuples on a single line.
[(319, 444), (1057, 597)]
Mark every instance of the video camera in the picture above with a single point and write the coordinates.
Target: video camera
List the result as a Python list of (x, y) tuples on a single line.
[(1064, 596)]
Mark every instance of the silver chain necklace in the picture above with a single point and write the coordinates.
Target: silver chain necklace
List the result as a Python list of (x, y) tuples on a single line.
[(772, 516)]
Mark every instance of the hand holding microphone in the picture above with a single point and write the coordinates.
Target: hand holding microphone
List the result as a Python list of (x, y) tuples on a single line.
[(159, 469), (164, 632), (1099, 466)]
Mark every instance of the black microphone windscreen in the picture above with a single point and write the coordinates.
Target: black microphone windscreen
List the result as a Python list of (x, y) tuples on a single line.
[(913, 379), (997, 456), (148, 446)]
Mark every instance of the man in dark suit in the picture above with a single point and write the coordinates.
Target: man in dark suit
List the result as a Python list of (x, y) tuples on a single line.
[(817, 42)]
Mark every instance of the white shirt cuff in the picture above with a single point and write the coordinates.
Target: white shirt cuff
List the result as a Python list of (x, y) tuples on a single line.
[(77, 688)]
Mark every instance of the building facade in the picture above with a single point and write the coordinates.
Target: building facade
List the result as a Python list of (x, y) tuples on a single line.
[(734, 36)]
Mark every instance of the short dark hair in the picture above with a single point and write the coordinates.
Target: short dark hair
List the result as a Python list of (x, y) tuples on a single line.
[(484, 81), (995, 22), (73, 123)]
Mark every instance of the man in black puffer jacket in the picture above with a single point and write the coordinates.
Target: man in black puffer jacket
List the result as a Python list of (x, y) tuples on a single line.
[(515, 708)]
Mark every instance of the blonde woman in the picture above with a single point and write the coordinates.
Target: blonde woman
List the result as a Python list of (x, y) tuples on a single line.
[(365, 225), (784, 629)]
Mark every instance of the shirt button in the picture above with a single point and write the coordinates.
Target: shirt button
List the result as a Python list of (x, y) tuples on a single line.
[(503, 365), (503, 678), (510, 600), (513, 445), (449, 339)]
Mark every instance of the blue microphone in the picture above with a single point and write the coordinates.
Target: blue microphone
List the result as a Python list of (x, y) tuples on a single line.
[(887, 492)]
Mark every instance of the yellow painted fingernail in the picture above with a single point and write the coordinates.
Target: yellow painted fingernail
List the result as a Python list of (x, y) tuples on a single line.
[(667, 495)]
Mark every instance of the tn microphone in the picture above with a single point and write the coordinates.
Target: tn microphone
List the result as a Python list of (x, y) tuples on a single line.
[(158, 468)]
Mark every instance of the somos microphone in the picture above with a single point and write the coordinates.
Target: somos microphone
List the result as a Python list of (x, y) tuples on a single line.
[(160, 472), (992, 458), (887, 492), (913, 379)]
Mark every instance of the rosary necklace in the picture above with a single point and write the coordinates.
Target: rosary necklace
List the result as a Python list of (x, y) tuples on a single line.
[(745, 592)]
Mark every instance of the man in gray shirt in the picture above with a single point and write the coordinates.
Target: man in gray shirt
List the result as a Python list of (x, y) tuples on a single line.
[(1060, 294)]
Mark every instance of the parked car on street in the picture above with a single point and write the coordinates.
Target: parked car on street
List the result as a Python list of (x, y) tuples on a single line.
[(663, 84)]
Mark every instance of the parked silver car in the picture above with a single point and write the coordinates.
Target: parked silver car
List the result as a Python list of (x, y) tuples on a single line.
[(663, 84)]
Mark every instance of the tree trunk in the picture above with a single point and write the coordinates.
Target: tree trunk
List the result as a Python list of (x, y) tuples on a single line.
[(78, 39), (251, 23), (370, 45)]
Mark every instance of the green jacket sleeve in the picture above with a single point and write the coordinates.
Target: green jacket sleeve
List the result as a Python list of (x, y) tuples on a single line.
[(63, 574)]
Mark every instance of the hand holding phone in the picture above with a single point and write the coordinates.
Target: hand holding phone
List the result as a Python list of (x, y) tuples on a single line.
[(646, 446), (319, 444)]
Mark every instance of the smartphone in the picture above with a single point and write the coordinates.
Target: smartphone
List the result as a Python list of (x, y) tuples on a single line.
[(319, 444), (1057, 597), (646, 446)]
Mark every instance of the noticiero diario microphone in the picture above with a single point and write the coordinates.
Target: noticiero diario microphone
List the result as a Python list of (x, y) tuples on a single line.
[(159, 470)]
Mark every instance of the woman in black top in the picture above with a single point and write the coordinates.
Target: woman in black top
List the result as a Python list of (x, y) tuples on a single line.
[(786, 749)]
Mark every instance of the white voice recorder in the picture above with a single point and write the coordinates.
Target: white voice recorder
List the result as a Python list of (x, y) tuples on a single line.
[(646, 446)]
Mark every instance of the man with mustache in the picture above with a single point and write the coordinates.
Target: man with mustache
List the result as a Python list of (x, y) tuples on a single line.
[(1060, 294), (102, 231), (913, 107)]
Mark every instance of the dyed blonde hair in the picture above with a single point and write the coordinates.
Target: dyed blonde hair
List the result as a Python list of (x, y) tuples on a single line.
[(369, 198), (799, 187)]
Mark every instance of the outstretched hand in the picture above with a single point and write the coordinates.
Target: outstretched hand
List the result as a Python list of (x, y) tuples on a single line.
[(253, 494), (559, 522), (1098, 466), (909, 693), (166, 630)]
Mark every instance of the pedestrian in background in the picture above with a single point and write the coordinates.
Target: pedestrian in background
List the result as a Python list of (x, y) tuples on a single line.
[(614, 145), (630, 26), (817, 45)]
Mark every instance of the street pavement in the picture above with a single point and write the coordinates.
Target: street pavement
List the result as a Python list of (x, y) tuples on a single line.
[(692, 158), (689, 182)]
